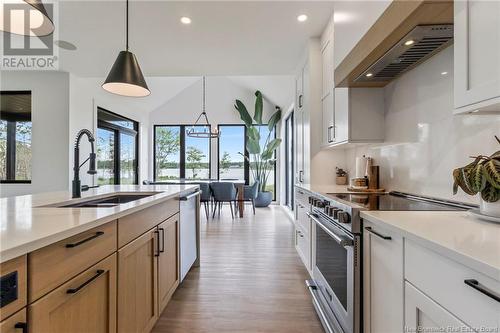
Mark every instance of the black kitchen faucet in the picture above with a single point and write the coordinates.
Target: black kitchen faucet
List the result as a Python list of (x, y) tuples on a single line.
[(76, 184)]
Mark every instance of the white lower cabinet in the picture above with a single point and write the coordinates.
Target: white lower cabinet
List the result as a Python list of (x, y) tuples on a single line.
[(383, 280), (422, 314), (303, 246)]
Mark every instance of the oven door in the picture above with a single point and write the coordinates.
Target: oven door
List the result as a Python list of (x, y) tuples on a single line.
[(333, 272)]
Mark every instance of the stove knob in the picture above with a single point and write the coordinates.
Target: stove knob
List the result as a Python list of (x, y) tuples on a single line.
[(311, 200), (343, 217), (335, 212)]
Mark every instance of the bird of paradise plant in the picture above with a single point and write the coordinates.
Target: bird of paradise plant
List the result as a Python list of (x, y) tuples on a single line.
[(261, 158)]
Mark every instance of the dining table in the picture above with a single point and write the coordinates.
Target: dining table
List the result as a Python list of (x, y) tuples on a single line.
[(238, 183)]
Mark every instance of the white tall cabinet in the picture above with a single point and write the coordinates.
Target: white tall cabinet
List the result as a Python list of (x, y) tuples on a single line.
[(477, 56)]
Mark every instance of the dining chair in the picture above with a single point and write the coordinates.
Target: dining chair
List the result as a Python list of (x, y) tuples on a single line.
[(250, 194), (206, 196), (223, 192)]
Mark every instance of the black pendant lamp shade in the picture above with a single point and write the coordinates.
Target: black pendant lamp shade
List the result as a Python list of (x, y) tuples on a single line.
[(125, 77), (38, 24)]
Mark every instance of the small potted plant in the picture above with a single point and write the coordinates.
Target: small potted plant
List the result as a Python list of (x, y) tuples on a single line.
[(481, 176), (261, 152), (341, 178)]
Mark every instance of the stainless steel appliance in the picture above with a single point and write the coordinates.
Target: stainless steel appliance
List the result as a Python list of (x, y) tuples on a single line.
[(189, 230), (336, 287)]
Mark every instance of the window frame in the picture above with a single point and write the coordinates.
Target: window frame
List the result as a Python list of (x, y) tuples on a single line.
[(182, 150), (117, 130), (10, 154)]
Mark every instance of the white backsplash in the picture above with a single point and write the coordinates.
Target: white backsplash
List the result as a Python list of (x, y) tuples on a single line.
[(424, 140)]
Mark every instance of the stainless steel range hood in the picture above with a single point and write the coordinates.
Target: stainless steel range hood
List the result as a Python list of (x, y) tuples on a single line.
[(414, 48)]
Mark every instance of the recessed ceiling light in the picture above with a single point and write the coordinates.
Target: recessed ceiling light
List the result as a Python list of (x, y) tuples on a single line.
[(409, 42), (185, 20), (444, 73), (302, 18), (369, 75)]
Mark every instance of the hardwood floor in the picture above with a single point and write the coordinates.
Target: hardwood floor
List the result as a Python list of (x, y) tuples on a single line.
[(250, 280)]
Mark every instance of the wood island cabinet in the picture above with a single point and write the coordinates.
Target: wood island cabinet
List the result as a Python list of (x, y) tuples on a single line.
[(168, 260)]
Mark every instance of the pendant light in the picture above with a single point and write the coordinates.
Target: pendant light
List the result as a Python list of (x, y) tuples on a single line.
[(205, 131), (40, 23), (125, 77)]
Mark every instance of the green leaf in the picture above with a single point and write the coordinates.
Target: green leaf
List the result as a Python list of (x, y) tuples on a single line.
[(253, 133), (259, 105), (244, 115), (490, 194), (270, 148), (275, 118), (253, 146), (491, 172), (477, 180)]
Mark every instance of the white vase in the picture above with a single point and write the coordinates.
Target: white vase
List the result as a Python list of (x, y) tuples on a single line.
[(490, 208)]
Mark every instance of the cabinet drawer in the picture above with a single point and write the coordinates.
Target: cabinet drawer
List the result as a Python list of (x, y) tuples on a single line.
[(302, 219), (15, 323), (86, 303), (303, 246), (134, 225), (13, 273), (442, 279), (301, 196), (55, 264)]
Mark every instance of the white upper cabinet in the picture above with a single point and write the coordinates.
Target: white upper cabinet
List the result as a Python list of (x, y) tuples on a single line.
[(477, 56), (351, 21), (327, 93)]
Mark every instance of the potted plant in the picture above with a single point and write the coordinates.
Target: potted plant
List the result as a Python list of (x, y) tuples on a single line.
[(261, 157), (481, 176)]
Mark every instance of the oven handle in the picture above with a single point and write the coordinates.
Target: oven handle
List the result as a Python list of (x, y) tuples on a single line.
[(313, 290), (344, 242)]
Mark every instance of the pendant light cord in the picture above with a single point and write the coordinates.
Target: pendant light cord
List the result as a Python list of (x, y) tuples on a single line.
[(204, 101), (126, 25)]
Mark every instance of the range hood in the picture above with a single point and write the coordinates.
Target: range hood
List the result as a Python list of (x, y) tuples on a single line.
[(405, 35), (416, 47)]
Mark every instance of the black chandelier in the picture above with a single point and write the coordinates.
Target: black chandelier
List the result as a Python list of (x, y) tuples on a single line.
[(201, 127)]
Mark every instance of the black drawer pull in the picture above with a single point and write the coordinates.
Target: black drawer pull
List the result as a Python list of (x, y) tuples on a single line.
[(23, 326), (482, 289), (77, 289), (97, 234), (163, 240), (157, 233), (369, 229)]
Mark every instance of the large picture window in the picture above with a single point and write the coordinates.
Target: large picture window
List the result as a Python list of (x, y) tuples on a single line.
[(15, 137), (178, 156), (117, 149)]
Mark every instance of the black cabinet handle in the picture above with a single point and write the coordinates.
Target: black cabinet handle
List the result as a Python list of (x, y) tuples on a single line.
[(97, 234), (157, 233), (482, 289), (300, 100), (77, 289), (163, 240), (377, 234), (23, 326)]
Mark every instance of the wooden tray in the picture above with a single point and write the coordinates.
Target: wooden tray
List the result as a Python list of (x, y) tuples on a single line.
[(366, 190)]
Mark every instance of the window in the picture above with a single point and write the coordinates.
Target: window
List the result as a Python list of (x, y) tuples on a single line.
[(231, 147), (15, 137), (178, 156), (117, 149), (232, 164)]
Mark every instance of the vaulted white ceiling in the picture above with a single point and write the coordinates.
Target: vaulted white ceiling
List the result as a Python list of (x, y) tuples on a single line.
[(225, 37)]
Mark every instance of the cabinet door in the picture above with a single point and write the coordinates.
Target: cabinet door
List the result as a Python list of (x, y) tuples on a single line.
[(422, 314), (138, 284), (86, 303), (327, 67), (306, 124), (15, 323), (303, 247), (383, 280), (341, 109), (477, 54), (328, 119), (299, 145), (168, 261)]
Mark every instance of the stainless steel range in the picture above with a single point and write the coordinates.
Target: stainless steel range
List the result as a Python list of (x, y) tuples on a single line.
[(337, 274)]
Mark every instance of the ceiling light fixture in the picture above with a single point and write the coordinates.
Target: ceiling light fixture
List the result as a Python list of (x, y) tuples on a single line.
[(302, 18), (125, 77), (409, 42), (369, 75), (185, 20), (202, 127), (40, 21)]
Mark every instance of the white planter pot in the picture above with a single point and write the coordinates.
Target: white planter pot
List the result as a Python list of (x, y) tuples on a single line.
[(490, 208)]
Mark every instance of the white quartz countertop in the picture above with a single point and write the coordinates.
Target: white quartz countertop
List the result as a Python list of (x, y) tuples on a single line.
[(457, 235), (325, 189), (25, 226)]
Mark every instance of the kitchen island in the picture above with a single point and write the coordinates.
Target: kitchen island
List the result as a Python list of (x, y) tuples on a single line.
[(98, 259)]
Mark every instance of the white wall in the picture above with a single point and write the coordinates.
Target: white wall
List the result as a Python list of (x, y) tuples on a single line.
[(221, 93), (424, 140), (50, 136)]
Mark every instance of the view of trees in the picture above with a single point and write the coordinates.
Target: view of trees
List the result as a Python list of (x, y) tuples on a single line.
[(23, 151), (194, 156), (167, 146)]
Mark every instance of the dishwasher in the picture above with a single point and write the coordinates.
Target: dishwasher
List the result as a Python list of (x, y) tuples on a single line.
[(189, 232)]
